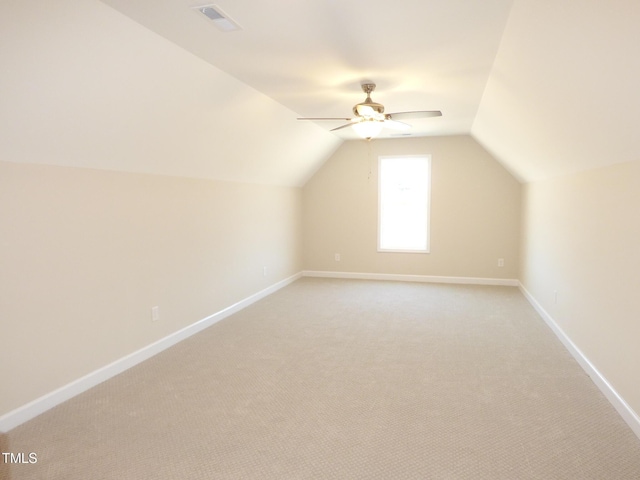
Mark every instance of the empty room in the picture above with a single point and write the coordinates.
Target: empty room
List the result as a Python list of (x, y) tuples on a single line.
[(320, 239)]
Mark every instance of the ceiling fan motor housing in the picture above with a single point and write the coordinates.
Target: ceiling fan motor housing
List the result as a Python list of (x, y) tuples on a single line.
[(368, 108)]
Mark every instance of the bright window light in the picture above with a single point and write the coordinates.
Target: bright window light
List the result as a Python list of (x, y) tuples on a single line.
[(404, 185)]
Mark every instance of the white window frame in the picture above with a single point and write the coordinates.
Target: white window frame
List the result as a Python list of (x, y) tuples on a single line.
[(427, 220)]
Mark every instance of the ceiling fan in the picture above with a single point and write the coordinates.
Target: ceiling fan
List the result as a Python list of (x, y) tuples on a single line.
[(370, 119)]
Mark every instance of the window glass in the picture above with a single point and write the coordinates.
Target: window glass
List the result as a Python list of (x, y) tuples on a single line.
[(403, 203)]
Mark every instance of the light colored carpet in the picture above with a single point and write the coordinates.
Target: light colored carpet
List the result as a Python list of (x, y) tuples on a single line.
[(348, 380)]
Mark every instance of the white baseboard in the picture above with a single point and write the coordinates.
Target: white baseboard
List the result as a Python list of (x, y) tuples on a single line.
[(414, 278), (626, 412), (40, 405)]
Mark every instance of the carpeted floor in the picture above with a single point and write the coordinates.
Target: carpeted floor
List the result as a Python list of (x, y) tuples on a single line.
[(346, 379)]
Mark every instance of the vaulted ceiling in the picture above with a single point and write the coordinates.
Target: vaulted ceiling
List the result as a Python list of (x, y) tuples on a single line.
[(311, 56), (549, 87), (563, 92)]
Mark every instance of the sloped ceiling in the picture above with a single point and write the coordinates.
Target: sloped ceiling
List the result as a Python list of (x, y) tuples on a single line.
[(563, 94), (84, 86), (549, 87), (312, 56)]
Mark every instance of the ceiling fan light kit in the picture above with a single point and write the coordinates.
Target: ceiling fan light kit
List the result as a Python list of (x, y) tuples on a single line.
[(368, 128), (370, 118)]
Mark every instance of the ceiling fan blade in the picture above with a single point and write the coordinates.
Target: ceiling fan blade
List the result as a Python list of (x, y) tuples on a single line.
[(395, 125), (342, 126), (325, 118), (417, 114)]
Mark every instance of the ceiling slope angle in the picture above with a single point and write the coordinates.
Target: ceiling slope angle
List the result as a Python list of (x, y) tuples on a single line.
[(312, 57), (101, 91), (563, 93)]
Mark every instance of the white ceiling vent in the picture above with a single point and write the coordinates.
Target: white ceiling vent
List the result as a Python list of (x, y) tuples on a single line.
[(218, 17)]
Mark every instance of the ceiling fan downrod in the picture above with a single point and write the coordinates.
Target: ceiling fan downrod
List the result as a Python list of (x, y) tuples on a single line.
[(368, 108)]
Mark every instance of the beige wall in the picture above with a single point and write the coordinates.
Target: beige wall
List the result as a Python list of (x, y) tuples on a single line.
[(475, 211), (582, 240), (85, 254)]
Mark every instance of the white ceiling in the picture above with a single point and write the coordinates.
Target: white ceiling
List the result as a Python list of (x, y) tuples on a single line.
[(84, 86), (549, 87), (563, 95), (311, 56)]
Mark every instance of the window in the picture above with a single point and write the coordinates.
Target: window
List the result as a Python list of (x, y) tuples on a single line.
[(404, 185)]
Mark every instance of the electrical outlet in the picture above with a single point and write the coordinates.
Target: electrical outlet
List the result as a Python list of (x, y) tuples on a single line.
[(337, 257), (264, 271), (501, 262), (155, 314)]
